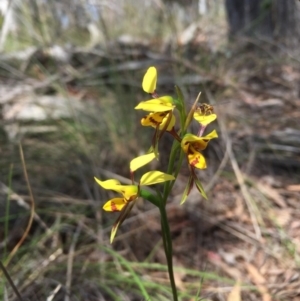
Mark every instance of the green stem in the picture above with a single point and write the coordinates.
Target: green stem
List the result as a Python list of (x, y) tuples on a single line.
[(147, 195), (175, 173), (159, 202), (170, 169), (166, 235)]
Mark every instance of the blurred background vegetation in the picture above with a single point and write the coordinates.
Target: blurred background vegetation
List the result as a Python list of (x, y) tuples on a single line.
[(70, 76)]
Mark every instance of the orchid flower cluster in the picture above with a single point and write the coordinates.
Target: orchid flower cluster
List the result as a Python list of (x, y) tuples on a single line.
[(162, 117)]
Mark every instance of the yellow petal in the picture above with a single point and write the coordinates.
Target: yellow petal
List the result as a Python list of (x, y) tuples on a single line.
[(140, 161), (129, 191), (204, 120), (154, 177), (161, 104), (154, 119), (115, 204), (211, 135), (108, 184), (185, 143), (196, 159), (159, 119), (199, 143), (149, 80), (170, 125)]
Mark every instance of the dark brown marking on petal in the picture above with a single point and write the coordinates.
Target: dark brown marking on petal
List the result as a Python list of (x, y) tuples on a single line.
[(152, 120), (194, 162), (113, 206)]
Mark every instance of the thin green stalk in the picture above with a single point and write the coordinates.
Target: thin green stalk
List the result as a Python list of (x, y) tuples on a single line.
[(171, 183), (170, 169), (166, 235), (168, 248)]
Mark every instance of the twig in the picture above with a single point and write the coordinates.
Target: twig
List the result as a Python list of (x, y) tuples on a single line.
[(32, 209), (10, 281), (22, 203), (70, 262), (238, 174)]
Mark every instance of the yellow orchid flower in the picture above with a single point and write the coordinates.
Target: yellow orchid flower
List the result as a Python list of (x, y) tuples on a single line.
[(192, 145), (159, 120), (149, 80), (161, 117), (204, 114), (161, 104), (130, 193)]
